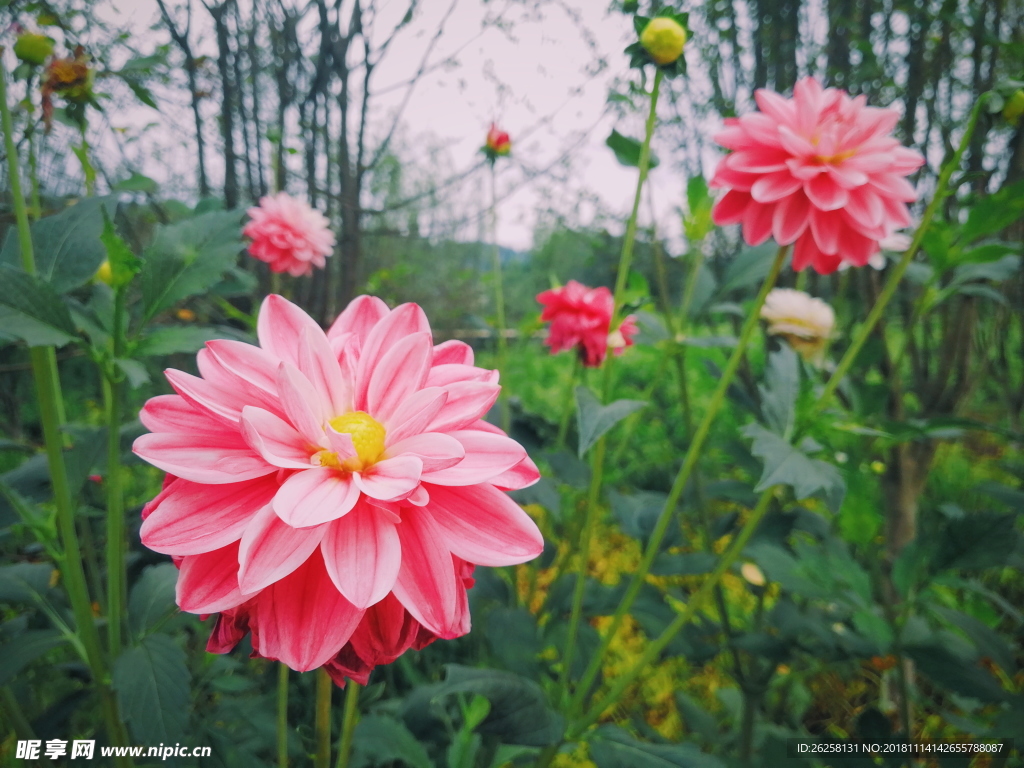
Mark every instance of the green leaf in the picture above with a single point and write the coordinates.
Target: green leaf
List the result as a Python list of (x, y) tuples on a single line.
[(67, 245), (152, 685), (994, 213), (187, 258), (171, 339), (627, 150), (780, 390), (123, 263), (383, 741), (988, 252), (637, 513), (513, 638), (152, 596), (977, 541), (950, 671), (26, 648), (142, 93), (996, 271), (519, 710), (136, 183), (594, 419), (683, 564), (134, 371), (988, 642), (31, 310), (787, 465), (874, 628), (613, 747), (750, 267), (24, 582)]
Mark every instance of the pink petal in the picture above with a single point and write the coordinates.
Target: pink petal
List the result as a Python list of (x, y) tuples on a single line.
[(303, 620), (483, 525), (172, 413), (208, 583), (792, 216), (359, 318), (275, 440), (202, 458), (402, 370), (191, 518), (896, 187), (341, 444), (319, 365), (453, 352), (775, 106), (795, 143), (403, 321), (436, 450), (363, 555), (390, 479), (757, 223), (247, 369), (825, 194), (426, 583), (762, 129), (522, 475), (727, 178), (486, 457), (207, 398), (806, 252), (315, 496), (865, 207), (279, 328), (467, 401), (271, 549), (827, 226), (758, 160), (847, 177), (730, 208), (413, 416), (443, 375), (775, 186), (905, 160), (306, 410)]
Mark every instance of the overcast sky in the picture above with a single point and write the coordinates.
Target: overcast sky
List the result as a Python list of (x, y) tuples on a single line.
[(535, 72)]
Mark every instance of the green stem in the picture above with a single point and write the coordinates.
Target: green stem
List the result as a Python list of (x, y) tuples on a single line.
[(282, 716), (568, 403), (499, 300), (114, 394), (19, 723), (654, 649), (44, 369), (322, 725), (941, 191), (348, 724), (689, 462)]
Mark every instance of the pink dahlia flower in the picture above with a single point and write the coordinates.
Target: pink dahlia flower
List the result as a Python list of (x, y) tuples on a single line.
[(288, 235), (580, 318), (323, 481), (820, 170)]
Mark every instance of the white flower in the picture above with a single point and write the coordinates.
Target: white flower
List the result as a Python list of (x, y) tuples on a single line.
[(807, 323)]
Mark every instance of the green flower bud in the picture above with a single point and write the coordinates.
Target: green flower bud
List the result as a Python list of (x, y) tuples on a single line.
[(1014, 107), (32, 48), (663, 38)]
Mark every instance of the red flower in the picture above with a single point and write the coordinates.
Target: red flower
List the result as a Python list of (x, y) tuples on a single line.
[(497, 144), (581, 318)]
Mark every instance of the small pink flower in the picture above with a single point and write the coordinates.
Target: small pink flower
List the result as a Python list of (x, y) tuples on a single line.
[(820, 170), (288, 235), (323, 481), (580, 319)]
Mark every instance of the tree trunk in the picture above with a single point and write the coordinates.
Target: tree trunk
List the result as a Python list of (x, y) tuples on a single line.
[(227, 123)]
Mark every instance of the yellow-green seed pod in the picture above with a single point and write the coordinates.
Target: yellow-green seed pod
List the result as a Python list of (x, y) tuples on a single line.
[(1014, 107), (664, 39), (32, 48)]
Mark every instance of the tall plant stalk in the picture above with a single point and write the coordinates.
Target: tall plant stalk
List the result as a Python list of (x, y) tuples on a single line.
[(499, 299), (322, 723), (349, 720), (597, 472), (113, 391), (44, 369), (282, 715)]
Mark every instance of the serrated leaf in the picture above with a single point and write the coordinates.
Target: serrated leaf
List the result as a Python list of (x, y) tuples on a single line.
[(187, 258), (31, 310), (152, 596), (785, 464), (134, 371), (594, 419), (381, 740), (613, 747), (123, 263), (780, 390), (25, 648), (152, 685), (24, 582), (171, 339), (67, 245), (519, 710), (627, 150), (977, 541), (749, 267)]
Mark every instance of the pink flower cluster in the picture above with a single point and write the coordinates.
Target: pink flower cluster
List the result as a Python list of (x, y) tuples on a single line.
[(820, 170), (581, 319), (289, 235), (331, 493)]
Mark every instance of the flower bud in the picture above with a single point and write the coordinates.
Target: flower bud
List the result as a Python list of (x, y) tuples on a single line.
[(663, 38), (33, 48), (498, 142), (1014, 107), (105, 274)]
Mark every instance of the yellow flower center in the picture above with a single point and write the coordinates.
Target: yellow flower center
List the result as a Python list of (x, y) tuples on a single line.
[(367, 437)]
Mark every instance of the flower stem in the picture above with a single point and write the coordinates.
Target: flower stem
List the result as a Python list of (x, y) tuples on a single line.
[(282, 716), (941, 191), (568, 403), (655, 648), (322, 724), (499, 300), (114, 395), (350, 718), (44, 368), (689, 462)]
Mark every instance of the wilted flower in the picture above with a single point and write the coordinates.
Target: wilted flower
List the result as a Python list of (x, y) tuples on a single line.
[(663, 38), (819, 170), (330, 491), (497, 144), (580, 319), (289, 235), (807, 323), (72, 79)]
